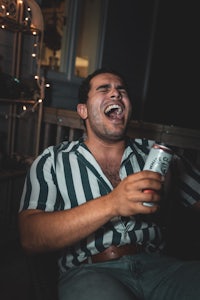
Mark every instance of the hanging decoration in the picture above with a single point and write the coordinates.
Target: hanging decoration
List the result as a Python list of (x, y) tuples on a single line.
[(25, 16)]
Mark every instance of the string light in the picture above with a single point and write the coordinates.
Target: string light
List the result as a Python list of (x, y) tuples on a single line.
[(14, 22)]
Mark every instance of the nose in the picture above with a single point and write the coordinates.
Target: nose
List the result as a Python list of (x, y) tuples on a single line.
[(115, 94)]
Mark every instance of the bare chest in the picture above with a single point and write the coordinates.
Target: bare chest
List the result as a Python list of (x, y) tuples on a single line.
[(112, 173)]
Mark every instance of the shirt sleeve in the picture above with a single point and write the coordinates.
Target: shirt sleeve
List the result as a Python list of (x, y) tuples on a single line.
[(40, 188), (187, 180)]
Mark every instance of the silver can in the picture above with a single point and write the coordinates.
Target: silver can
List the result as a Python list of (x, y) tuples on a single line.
[(158, 160)]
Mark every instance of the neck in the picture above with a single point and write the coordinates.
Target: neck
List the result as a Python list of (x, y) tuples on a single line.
[(100, 148)]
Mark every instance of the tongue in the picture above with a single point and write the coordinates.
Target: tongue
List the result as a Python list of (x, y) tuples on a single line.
[(115, 115)]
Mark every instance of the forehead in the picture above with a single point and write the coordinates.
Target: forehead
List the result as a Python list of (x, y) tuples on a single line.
[(106, 78)]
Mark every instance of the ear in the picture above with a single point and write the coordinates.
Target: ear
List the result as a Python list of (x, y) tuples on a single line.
[(82, 110)]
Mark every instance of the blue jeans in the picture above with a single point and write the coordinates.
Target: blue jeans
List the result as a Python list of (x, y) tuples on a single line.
[(141, 276)]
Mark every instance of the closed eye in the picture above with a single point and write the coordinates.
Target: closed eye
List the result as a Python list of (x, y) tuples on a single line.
[(103, 88), (106, 88)]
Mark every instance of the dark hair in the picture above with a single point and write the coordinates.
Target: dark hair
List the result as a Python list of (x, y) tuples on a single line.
[(85, 85)]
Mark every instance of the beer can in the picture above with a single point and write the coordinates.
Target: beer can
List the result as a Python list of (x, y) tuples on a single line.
[(158, 160)]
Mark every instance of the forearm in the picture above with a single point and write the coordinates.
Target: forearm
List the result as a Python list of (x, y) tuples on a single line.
[(50, 231)]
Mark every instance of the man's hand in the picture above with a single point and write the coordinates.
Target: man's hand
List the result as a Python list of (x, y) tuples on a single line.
[(128, 197)]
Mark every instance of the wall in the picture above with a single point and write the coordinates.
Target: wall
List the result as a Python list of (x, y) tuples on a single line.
[(155, 44), (128, 35)]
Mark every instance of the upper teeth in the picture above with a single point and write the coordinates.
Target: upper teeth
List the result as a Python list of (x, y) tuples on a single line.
[(113, 106)]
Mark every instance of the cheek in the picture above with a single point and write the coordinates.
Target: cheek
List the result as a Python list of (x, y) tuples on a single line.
[(94, 113), (95, 117), (129, 107)]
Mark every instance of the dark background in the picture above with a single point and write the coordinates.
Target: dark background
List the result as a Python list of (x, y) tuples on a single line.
[(155, 45)]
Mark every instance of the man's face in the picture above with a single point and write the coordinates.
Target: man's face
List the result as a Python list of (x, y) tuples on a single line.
[(108, 108)]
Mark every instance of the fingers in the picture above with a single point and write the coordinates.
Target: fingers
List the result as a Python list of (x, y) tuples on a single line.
[(146, 174), (144, 181), (138, 193), (150, 203)]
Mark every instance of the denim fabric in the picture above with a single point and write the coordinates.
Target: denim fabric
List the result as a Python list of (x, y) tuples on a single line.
[(141, 276)]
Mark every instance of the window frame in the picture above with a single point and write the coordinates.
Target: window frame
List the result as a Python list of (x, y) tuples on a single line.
[(67, 64)]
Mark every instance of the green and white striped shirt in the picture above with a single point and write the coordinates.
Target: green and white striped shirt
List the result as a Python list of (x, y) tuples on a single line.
[(67, 175)]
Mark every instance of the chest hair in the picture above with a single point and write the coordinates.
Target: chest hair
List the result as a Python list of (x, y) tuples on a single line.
[(111, 170)]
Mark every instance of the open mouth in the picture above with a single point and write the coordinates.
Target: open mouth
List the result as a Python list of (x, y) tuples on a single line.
[(114, 111)]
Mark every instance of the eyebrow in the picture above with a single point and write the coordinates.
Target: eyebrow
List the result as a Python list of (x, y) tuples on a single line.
[(120, 87)]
